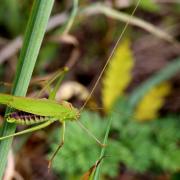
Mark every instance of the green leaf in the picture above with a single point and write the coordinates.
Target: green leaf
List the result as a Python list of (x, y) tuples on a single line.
[(143, 146)]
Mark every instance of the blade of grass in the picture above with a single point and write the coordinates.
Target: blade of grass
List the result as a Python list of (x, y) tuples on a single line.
[(97, 172), (33, 38)]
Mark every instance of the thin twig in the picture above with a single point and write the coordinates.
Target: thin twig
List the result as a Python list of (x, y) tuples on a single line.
[(100, 8)]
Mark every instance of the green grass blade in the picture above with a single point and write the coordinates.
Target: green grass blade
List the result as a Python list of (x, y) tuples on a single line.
[(163, 75), (33, 38), (97, 172)]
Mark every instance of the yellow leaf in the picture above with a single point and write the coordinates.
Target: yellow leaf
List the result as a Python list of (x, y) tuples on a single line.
[(118, 74), (149, 106)]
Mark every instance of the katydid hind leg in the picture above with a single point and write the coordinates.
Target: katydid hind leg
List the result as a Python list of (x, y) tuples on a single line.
[(58, 75), (35, 128), (59, 146)]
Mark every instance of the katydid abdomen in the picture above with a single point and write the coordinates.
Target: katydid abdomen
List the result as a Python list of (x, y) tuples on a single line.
[(24, 118), (42, 107)]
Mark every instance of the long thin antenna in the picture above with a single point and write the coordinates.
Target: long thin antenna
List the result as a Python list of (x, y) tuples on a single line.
[(110, 56)]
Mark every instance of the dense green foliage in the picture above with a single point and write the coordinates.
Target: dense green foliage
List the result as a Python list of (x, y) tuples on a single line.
[(140, 146)]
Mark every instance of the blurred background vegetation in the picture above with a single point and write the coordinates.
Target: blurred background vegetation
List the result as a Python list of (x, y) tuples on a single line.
[(139, 91)]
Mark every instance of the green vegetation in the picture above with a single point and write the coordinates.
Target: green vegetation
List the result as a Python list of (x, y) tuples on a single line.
[(137, 97)]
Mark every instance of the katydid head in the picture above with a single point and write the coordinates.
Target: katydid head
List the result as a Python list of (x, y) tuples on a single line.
[(73, 113), (76, 114)]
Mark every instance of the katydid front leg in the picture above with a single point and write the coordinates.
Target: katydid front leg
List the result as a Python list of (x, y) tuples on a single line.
[(59, 75)]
